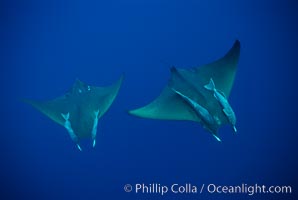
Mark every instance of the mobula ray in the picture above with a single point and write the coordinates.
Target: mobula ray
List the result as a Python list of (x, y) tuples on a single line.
[(198, 94), (80, 109)]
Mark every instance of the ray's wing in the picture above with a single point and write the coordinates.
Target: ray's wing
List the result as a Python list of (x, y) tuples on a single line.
[(169, 106), (101, 98), (221, 71), (53, 108)]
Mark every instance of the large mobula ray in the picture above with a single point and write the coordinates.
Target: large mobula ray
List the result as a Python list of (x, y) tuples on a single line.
[(80, 108), (198, 94)]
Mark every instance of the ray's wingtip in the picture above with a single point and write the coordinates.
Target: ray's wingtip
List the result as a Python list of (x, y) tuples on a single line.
[(233, 54), (122, 76), (236, 44), (131, 112), (173, 69), (136, 113), (120, 80), (24, 100), (29, 101)]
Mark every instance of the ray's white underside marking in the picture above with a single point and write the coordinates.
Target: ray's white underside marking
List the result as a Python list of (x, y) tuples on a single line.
[(68, 127), (94, 129)]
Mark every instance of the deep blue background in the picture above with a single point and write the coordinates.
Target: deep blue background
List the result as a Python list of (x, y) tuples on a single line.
[(45, 45)]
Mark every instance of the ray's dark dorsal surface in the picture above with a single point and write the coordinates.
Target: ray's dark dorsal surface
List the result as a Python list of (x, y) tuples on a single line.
[(80, 109), (198, 94)]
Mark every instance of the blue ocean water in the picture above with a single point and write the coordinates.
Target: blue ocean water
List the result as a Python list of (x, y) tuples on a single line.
[(46, 45)]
